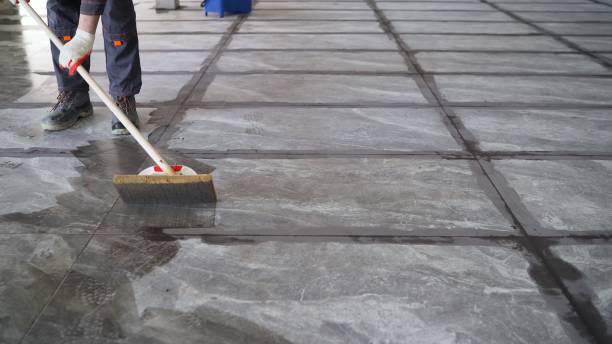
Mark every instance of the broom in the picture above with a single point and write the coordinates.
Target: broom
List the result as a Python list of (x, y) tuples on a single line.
[(161, 183)]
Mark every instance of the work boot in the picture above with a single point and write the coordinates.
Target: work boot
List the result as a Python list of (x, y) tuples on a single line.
[(128, 106), (71, 105)]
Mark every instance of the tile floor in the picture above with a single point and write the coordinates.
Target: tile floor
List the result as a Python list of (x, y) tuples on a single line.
[(388, 172)]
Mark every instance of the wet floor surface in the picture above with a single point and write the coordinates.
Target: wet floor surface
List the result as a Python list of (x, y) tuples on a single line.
[(387, 172)]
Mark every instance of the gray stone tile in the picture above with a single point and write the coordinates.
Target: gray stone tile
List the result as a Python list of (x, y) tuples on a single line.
[(15, 27), (570, 195), (57, 195), (580, 28), (159, 61), (217, 26), (31, 267), (345, 89), (565, 16), (312, 41), (156, 88), (313, 129), (181, 14), (432, 6), (311, 15), (574, 7), (309, 5), (541, 1), (18, 86), (461, 27), (313, 195), (312, 61), (593, 262), (540, 130), (487, 43), (592, 43), (150, 61), (492, 16), (177, 42), (21, 129), (311, 26), (508, 63), (126, 289), (532, 89)]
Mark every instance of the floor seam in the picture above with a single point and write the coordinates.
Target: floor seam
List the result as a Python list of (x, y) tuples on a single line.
[(556, 37), (68, 272), (458, 131)]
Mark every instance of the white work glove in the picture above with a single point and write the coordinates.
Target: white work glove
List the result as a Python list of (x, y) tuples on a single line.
[(75, 52), (16, 2)]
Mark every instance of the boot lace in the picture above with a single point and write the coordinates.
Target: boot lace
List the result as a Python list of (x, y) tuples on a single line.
[(126, 104), (63, 98)]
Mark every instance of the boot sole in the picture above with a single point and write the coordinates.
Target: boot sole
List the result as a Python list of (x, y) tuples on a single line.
[(120, 132), (123, 132), (64, 126)]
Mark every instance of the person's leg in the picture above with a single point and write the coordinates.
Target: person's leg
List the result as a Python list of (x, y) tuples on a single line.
[(73, 99), (63, 18), (122, 57)]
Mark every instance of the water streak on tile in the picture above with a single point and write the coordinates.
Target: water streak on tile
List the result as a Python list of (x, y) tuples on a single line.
[(313, 89)]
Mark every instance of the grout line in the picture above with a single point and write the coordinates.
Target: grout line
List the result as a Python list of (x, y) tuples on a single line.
[(36, 152), (407, 10), (557, 37), (102, 219), (498, 196), (241, 50), (68, 272), (409, 73), (564, 239), (250, 104)]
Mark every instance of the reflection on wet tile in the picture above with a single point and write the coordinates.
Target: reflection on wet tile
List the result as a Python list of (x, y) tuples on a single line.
[(563, 195), (64, 195), (540, 130), (594, 265), (21, 129), (16, 63), (486, 43), (126, 289), (508, 62), (532, 89), (313, 129), (461, 27), (306, 194), (312, 61), (155, 88), (310, 26), (312, 41), (43, 178), (31, 267), (344, 89)]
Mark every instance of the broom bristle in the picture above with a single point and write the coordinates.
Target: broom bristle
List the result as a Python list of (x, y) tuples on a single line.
[(165, 189)]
